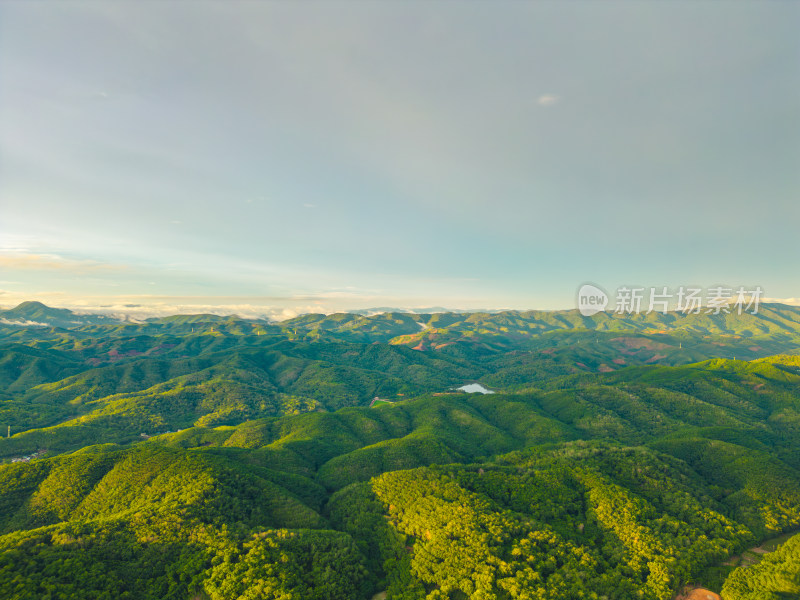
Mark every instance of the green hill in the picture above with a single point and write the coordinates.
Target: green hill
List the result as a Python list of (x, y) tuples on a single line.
[(775, 577), (220, 458)]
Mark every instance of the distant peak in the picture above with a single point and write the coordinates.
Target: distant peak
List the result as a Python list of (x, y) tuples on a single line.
[(31, 304)]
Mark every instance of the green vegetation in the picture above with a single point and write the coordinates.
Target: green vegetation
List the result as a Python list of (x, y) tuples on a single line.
[(776, 577), (216, 458)]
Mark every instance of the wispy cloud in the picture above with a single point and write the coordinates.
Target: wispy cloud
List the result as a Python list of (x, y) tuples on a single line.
[(548, 100), (347, 294), (52, 262)]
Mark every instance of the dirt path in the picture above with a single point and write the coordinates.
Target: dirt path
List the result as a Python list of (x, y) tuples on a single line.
[(753, 555)]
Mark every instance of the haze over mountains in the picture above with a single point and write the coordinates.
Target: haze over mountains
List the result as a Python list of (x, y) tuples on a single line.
[(33, 313)]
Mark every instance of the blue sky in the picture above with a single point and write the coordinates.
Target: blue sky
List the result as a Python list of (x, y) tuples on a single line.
[(280, 157)]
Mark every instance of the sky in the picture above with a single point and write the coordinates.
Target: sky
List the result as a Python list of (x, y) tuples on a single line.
[(273, 158)]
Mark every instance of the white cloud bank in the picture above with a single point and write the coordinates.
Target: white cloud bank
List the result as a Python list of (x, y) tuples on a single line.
[(790, 301), (140, 312), (21, 323)]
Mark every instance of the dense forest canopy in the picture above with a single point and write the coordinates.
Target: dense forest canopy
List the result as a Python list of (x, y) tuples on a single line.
[(619, 457)]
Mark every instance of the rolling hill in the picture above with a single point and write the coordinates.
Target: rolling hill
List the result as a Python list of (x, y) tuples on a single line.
[(219, 458)]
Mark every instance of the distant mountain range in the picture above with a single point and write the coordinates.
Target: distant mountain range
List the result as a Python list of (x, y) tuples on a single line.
[(534, 344), (772, 317), (36, 314)]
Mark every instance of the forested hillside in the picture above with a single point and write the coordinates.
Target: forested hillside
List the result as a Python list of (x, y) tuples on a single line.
[(776, 577), (220, 458)]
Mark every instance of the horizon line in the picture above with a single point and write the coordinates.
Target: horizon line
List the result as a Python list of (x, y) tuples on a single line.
[(129, 316)]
